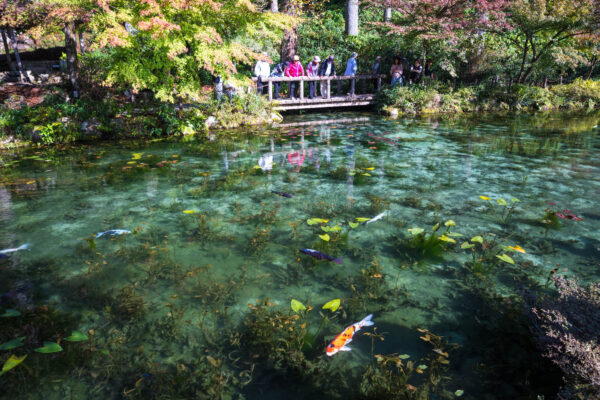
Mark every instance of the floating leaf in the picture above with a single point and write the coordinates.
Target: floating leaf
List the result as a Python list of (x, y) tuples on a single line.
[(517, 248), (454, 234), (477, 239), (297, 306), (9, 312), (12, 362), (502, 202), (12, 344), (326, 228), (422, 366), (450, 223), (353, 224), (466, 245), (332, 305), (447, 239), (77, 336), (315, 221), (416, 231), (515, 200), (403, 356), (362, 219), (325, 237), (49, 347), (484, 198), (459, 392), (506, 258), (189, 211)]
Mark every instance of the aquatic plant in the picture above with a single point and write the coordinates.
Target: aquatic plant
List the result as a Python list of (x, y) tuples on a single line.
[(127, 304), (421, 244), (487, 253), (567, 327), (501, 208), (553, 215)]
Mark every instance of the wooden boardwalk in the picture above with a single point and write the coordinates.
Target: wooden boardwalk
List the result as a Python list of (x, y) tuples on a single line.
[(362, 84)]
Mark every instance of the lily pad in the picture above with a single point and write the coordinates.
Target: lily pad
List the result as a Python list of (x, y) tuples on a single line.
[(353, 224), (332, 305), (506, 258), (477, 239), (9, 312), (416, 231), (325, 237), (77, 336), (12, 344), (12, 362), (49, 347), (297, 306)]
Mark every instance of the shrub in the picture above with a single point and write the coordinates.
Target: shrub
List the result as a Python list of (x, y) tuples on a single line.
[(584, 91), (567, 328)]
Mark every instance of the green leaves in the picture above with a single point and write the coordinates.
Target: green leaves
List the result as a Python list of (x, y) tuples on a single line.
[(9, 312), (362, 219), (49, 347), (353, 224), (12, 362), (501, 202), (325, 237), (332, 305), (506, 258), (459, 392), (477, 239), (467, 245), (315, 221), (450, 223), (297, 306), (77, 336), (416, 231), (445, 238), (12, 344)]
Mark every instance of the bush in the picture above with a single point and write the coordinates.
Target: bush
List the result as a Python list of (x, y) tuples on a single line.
[(437, 98), (584, 91), (535, 97), (567, 329)]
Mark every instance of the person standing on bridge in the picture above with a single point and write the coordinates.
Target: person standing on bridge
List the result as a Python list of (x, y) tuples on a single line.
[(312, 70), (351, 68), (327, 69), (294, 71), (278, 72), (262, 70)]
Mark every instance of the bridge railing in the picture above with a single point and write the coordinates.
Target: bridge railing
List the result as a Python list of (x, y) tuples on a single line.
[(377, 78)]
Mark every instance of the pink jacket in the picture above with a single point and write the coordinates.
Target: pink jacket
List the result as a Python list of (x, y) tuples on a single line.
[(295, 70)]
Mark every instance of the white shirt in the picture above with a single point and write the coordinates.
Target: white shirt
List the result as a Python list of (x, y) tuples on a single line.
[(262, 69)]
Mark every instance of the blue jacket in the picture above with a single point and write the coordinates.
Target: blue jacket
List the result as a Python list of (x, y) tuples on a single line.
[(351, 67)]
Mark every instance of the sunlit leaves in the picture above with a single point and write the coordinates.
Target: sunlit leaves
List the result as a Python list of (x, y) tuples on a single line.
[(325, 237), (77, 336), (445, 238), (49, 347), (501, 202), (484, 198), (516, 248), (297, 306), (12, 362), (477, 239), (332, 305), (362, 219), (416, 231), (315, 221), (353, 225), (467, 245), (189, 211), (450, 223), (459, 392), (506, 258)]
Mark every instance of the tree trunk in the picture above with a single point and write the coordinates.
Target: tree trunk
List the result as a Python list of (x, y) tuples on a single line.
[(289, 44), (81, 43), (352, 18), (71, 46), (11, 67), (387, 14), (274, 6), (13, 38)]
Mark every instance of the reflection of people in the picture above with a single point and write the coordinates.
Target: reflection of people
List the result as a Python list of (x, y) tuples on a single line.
[(265, 162)]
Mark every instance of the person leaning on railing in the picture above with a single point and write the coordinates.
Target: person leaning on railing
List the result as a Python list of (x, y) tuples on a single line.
[(262, 70), (295, 70), (312, 70), (327, 69), (278, 72), (351, 68)]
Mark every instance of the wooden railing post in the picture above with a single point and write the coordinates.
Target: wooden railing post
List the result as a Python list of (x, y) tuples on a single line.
[(270, 90), (328, 85), (301, 83)]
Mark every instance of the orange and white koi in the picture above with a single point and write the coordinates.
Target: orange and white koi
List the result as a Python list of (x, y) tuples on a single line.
[(341, 340)]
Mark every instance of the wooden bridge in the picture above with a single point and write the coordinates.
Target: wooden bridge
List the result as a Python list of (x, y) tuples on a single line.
[(365, 86)]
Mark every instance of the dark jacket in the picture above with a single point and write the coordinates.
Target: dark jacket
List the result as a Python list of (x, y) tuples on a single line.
[(323, 68), (278, 71)]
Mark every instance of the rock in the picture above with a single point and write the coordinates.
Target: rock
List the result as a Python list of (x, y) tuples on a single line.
[(276, 118), (393, 112), (211, 122)]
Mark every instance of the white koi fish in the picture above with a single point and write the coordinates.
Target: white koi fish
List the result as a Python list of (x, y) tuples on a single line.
[(5, 252), (376, 218), (112, 232)]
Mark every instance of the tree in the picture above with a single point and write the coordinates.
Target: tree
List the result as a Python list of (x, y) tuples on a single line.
[(274, 6), (352, 17), (11, 67), (443, 20), (170, 41), (541, 26)]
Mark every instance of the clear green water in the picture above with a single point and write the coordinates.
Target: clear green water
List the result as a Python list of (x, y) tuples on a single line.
[(169, 304)]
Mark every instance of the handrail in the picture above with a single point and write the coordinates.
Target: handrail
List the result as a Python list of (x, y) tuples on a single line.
[(327, 79)]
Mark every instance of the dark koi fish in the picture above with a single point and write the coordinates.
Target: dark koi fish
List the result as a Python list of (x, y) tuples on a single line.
[(321, 256), (289, 196)]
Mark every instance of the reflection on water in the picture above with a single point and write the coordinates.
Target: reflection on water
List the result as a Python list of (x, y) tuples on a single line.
[(195, 302)]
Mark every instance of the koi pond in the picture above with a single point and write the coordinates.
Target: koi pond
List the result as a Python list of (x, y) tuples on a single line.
[(222, 266)]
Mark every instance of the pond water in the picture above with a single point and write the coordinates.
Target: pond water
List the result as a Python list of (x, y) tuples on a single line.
[(195, 302)]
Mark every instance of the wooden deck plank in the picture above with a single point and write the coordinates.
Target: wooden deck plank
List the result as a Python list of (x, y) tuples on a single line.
[(334, 101)]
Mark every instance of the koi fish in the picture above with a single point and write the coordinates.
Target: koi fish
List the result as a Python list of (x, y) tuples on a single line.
[(283, 194), (4, 253), (341, 340), (112, 232), (321, 256), (376, 218)]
